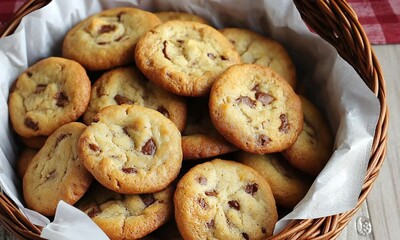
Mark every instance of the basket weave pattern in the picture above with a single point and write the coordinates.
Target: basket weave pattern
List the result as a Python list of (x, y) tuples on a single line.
[(334, 21)]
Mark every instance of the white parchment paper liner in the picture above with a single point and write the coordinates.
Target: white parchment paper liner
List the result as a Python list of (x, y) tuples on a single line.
[(352, 110)]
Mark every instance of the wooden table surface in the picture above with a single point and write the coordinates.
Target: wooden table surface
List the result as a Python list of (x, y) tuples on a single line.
[(382, 208)]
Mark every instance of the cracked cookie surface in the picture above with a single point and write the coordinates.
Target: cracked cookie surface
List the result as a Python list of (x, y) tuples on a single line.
[(56, 172), (288, 184), (257, 49), (129, 86), (223, 199), (50, 93), (255, 109), (182, 16), (131, 149), (107, 39), (184, 57), (314, 146), (130, 216)]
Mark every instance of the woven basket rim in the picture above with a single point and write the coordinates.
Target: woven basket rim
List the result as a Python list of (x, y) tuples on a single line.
[(337, 23)]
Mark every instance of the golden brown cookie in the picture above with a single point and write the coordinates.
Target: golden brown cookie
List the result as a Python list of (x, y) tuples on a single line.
[(313, 148), (182, 16), (131, 149), (200, 139), (25, 158), (257, 49), (288, 185), (184, 57), (223, 199), (107, 39), (255, 109), (52, 92), (129, 86), (56, 172), (130, 216)]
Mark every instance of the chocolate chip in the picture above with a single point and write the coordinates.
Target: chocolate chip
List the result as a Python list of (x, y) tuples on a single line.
[(94, 212), (211, 193), (149, 148), (61, 99), (202, 203), (31, 124), (251, 188), (256, 88), (51, 175), (120, 38), (94, 147), (234, 204), (202, 180), (245, 236), (29, 74), (224, 58), (103, 43), (122, 100), (61, 137), (263, 140), (165, 50), (246, 100), (180, 41), (263, 230), (106, 29), (210, 224), (95, 119), (284, 124), (232, 41), (126, 131), (129, 170), (163, 111), (119, 16), (211, 56), (147, 199), (40, 88), (264, 98)]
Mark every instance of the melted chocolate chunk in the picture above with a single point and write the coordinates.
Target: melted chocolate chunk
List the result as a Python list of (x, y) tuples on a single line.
[(245, 236), (223, 58), (263, 140), (103, 43), (61, 99), (149, 148), (61, 137), (212, 193), (263, 230), (94, 147), (203, 204), (210, 224), (264, 98), (202, 180), (106, 29), (29, 74), (234, 204), (40, 88), (31, 124), (246, 100), (284, 124), (163, 111), (147, 199), (211, 56), (165, 50), (129, 170), (94, 212), (251, 188), (122, 100)]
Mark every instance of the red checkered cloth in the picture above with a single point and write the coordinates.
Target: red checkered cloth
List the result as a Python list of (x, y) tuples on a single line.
[(380, 18)]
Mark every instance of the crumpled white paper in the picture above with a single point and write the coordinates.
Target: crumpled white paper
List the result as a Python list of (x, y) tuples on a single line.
[(352, 110)]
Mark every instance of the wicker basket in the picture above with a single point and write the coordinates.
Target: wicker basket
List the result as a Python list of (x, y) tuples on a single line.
[(336, 22)]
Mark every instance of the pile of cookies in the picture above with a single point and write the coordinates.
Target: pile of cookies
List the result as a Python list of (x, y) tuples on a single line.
[(144, 141)]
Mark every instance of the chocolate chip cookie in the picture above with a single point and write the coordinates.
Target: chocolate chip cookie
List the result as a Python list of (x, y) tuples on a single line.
[(255, 109), (52, 92), (257, 49), (107, 39), (313, 148), (182, 16), (288, 185), (130, 216), (129, 86), (56, 172), (223, 199), (184, 57), (131, 149)]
